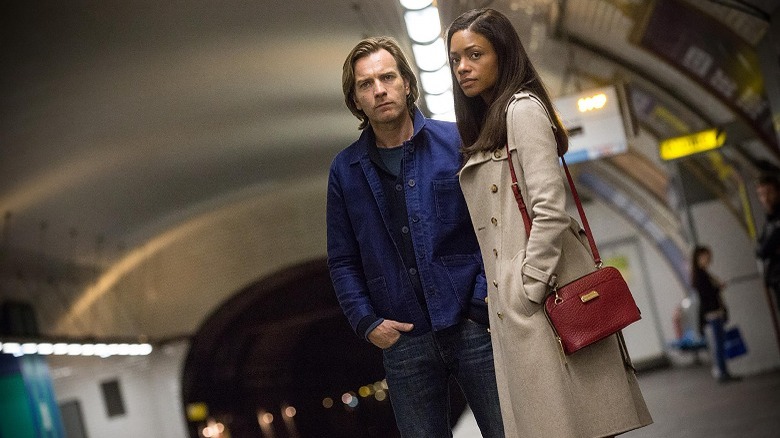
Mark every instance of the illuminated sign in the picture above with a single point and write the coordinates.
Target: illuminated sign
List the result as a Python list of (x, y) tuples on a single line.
[(596, 121), (726, 65), (691, 144), (592, 103)]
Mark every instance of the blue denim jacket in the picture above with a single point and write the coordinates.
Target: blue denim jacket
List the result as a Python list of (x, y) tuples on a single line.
[(364, 260)]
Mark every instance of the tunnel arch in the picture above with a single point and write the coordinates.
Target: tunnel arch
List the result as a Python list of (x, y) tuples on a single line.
[(282, 341)]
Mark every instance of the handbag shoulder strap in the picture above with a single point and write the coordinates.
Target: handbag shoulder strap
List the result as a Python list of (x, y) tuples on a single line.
[(581, 211), (524, 210), (518, 195)]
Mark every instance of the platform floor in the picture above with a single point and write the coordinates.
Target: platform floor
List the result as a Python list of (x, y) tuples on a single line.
[(686, 402)]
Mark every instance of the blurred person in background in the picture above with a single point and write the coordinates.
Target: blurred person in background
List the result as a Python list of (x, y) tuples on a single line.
[(768, 248), (713, 314)]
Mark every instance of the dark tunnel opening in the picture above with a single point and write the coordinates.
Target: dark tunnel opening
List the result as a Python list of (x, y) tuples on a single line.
[(281, 343)]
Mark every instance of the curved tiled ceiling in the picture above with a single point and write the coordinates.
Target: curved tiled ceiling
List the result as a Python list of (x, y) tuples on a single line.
[(121, 120)]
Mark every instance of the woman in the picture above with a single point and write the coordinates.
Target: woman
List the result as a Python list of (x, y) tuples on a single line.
[(712, 311), (500, 99)]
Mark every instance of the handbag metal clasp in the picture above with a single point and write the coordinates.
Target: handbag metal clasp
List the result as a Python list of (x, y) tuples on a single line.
[(558, 299), (589, 296)]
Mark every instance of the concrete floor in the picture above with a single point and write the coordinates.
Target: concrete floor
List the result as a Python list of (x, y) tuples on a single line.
[(686, 402)]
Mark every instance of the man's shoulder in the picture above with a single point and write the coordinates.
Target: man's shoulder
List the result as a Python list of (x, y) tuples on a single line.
[(441, 125), (446, 132), (351, 153)]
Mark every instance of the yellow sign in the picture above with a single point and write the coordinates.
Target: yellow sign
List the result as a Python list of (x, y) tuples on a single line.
[(691, 144)]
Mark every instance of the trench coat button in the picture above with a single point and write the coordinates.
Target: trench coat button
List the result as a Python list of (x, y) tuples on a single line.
[(497, 154), (495, 252), (411, 183), (486, 299), (494, 221), (488, 329), (500, 315), (494, 188), (495, 283)]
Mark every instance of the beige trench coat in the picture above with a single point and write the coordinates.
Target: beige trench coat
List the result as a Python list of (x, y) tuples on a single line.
[(543, 393)]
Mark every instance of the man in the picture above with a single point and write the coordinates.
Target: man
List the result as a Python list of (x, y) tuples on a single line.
[(402, 253), (768, 249)]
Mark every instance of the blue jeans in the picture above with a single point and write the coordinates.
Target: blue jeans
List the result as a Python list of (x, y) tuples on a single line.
[(418, 370), (716, 340)]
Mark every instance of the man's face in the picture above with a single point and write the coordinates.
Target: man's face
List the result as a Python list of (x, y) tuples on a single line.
[(380, 91), (768, 196)]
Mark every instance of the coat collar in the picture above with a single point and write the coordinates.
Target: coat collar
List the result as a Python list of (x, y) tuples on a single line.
[(484, 156)]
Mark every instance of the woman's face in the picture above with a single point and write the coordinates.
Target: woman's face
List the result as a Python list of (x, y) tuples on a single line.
[(704, 259), (474, 63)]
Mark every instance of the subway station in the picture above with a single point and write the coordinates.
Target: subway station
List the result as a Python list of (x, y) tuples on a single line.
[(164, 179)]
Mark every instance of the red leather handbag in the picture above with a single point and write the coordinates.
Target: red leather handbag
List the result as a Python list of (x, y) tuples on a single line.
[(591, 307)]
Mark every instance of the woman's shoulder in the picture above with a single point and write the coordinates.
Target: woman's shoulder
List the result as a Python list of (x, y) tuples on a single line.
[(525, 104), (527, 110), (524, 99)]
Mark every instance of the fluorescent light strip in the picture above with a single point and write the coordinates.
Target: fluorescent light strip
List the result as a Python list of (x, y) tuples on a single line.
[(423, 25), (75, 349), (414, 5)]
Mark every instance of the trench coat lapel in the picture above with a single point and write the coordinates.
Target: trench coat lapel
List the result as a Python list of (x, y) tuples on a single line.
[(478, 158)]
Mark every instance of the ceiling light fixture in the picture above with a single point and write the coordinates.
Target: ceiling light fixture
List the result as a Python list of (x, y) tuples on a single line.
[(423, 25)]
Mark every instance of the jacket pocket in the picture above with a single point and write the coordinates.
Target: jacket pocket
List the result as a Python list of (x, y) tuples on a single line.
[(462, 270), (450, 203)]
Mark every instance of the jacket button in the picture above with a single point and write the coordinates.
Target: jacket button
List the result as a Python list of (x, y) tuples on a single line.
[(494, 221), (494, 188), (411, 183), (497, 154)]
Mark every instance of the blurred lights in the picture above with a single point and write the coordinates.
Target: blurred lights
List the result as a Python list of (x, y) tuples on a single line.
[(213, 429), (349, 399), (431, 57), (365, 391), (424, 28), (289, 412), (592, 103), (327, 402), (75, 349), (436, 82), (415, 4), (423, 25), (439, 103)]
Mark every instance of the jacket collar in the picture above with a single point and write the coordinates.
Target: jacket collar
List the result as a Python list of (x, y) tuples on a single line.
[(367, 139)]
